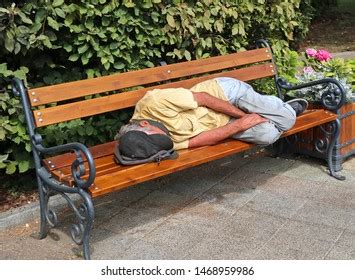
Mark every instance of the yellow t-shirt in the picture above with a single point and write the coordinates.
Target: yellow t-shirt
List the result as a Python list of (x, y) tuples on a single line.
[(179, 112)]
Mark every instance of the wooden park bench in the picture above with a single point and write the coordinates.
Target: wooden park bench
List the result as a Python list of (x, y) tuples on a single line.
[(92, 172)]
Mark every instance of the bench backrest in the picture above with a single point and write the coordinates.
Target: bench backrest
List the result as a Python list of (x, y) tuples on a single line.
[(70, 102)]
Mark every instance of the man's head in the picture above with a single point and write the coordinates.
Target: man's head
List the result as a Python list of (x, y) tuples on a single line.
[(147, 126), (142, 139)]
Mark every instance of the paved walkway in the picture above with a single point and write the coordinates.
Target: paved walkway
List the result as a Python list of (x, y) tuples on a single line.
[(345, 55), (234, 208)]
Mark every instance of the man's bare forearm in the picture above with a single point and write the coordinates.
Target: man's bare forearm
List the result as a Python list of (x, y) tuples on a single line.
[(218, 105), (216, 135)]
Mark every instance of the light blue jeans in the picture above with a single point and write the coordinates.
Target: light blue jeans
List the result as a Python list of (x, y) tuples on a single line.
[(281, 116)]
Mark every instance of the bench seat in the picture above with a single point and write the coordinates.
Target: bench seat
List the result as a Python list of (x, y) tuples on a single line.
[(110, 176)]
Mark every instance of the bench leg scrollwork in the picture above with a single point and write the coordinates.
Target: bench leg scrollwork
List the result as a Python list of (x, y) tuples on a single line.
[(323, 145), (82, 208)]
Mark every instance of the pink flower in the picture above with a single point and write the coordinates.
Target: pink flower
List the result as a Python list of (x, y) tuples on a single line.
[(311, 52), (323, 55), (308, 69)]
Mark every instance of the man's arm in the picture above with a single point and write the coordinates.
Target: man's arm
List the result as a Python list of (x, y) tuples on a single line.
[(213, 136), (216, 104)]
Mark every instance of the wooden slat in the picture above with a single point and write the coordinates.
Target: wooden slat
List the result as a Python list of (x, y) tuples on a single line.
[(310, 119), (104, 165), (63, 160), (65, 91), (111, 176), (114, 102)]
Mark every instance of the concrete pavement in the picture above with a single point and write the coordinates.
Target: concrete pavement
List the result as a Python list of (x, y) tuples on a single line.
[(240, 207)]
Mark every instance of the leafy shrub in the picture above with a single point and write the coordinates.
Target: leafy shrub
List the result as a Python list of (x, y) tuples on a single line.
[(14, 140), (54, 41), (321, 5)]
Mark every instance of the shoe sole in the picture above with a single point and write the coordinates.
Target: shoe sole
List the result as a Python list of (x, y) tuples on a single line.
[(303, 102)]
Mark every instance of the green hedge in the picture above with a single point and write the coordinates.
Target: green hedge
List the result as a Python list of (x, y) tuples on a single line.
[(49, 42), (321, 5)]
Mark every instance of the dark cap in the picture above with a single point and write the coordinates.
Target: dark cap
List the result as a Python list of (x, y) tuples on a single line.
[(136, 147), (139, 145)]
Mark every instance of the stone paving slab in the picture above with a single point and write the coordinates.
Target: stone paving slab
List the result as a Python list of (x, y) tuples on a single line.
[(344, 248), (222, 247), (325, 214), (239, 207), (275, 204)]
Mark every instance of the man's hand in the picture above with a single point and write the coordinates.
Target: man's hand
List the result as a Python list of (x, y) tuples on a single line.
[(213, 136), (248, 121)]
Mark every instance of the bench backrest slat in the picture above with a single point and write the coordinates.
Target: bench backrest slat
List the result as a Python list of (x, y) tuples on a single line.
[(71, 90), (90, 107)]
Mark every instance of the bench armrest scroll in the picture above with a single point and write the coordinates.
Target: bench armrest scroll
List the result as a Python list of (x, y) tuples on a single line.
[(332, 99), (78, 169)]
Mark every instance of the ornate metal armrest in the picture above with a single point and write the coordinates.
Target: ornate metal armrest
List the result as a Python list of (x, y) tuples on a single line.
[(80, 150), (77, 167), (332, 99)]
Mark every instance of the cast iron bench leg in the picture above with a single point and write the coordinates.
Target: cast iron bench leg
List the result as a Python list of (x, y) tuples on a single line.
[(335, 136), (43, 206), (87, 210)]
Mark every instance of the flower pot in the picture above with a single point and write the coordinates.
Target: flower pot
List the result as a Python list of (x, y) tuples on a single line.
[(315, 141)]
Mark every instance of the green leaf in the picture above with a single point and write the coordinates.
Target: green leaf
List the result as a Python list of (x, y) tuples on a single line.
[(84, 60), (149, 64), (23, 166), (2, 133), (68, 47), (35, 27), (90, 74), (23, 29), (187, 55), (57, 3), (17, 48), (119, 65), (11, 111), (83, 48), (10, 168), (208, 42), (74, 57), (250, 7), (59, 12), (47, 43), (3, 157), (107, 65), (241, 28), (106, 10), (24, 18), (89, 130), (9, 43), (3, 68), (219, 25), (40, 15), (235, 29), (4, 10), (170, 20), (28, 147), (52, 23)]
